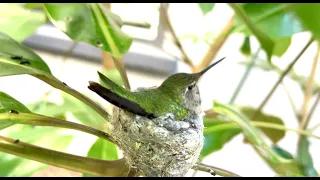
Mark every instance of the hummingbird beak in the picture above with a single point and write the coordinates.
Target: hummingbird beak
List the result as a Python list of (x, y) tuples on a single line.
[(209, 67)]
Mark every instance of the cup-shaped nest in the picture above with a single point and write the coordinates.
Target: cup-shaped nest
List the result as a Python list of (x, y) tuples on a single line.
[(159, 147)]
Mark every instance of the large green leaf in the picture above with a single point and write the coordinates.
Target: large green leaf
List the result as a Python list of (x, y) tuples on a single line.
[(18, 22), (271, 23), (308, 15), (274, 134), (206, 7), (215, 136), (251, 132), (304, 158), (12, 64), (91, 24)]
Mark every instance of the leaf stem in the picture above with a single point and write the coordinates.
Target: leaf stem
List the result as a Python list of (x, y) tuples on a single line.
[(54, 82), (244, 77), (285, 72), (233, 125), (40, 120), (210, 169), (64, 160)]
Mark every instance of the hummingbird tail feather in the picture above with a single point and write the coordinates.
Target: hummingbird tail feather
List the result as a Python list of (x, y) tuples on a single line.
[(117, 100)]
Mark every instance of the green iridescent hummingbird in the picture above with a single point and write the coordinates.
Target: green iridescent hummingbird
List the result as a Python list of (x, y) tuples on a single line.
[(178, 95)]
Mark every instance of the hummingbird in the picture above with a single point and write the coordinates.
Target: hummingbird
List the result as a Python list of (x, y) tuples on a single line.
[(178, 95)]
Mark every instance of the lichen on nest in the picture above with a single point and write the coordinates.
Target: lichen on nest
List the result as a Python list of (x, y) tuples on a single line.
[(160, 147)]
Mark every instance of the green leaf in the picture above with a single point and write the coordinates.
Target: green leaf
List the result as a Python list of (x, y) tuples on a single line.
[(274, 134), (8, 103), (33, 5), (250, 131), (271, 23), (30, 63), (104, 150), (246, 48), (304, 158), (206, 7), (308, 13), (18, 22), (83, 113), (113, 75), (89, 23), (216, 137), (48, 109)]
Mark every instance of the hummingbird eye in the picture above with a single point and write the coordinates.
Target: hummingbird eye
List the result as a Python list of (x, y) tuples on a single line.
[(190, 87)]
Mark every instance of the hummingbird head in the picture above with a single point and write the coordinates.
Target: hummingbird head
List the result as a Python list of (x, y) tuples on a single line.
[(182, 82)]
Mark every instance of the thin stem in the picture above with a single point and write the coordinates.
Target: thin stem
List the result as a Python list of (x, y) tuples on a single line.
[(122, 70), (68, 161), (294, 108), (167, 23), (40, 120), (216, 46), (244, 77), (308, 93), (285, 72), (54, 82), (233, 125), (210, 169)]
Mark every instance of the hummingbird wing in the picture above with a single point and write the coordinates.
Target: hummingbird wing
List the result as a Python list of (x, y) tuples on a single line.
[(118, 100)]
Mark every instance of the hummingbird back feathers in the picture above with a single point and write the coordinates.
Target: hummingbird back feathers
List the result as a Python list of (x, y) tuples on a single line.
[(117, 100)]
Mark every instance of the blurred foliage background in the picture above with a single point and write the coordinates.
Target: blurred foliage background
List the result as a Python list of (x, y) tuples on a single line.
[(265, 28)]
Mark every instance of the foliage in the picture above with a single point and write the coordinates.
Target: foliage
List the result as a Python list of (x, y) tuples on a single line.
[(272, 24)]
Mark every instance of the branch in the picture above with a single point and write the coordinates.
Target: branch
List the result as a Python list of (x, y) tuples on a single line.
[(214, 170), (285, 72), (68, 161), (167, 23), (304, 120), (313, 108), (215, 47), (40, 120)]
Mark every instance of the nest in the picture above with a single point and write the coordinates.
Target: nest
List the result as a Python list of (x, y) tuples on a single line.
[(160, 147)]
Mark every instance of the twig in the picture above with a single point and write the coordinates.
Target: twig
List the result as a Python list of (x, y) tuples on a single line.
[(313, 108), (285, 72), (244, 77), (214, 170), (167, 23), (215, 47), (308, 93)]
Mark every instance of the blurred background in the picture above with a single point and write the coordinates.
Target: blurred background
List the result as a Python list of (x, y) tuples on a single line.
[(152, 57)]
